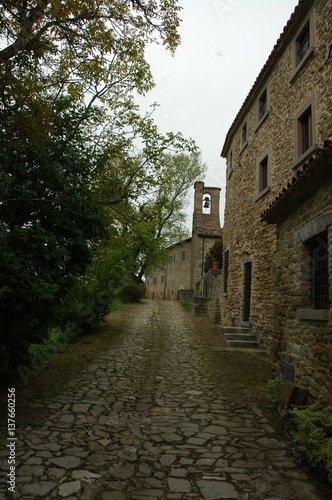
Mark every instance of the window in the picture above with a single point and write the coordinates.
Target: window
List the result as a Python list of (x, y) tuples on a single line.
[(174, 257), (305, 130), (148, 282), (244, 137), (320, 272), (226, 259), (262, 105), (163, 279), (263, 174), (170, 259), (230, 164), (183, 255), (154, 281), (174, 275), (302, 43), (182, 275)]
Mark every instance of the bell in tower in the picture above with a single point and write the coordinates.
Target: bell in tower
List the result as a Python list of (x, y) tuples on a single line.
[(206, 207)]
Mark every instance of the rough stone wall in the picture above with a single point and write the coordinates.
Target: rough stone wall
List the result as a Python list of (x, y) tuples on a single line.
[(175, 273), (213, 292), (178, 270), (201, 247), (246, 237), (305, 344)]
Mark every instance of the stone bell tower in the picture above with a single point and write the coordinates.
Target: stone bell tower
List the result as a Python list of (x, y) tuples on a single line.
[(206, 207)]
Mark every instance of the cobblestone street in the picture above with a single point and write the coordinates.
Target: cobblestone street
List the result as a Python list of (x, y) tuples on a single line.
[(153, 418)]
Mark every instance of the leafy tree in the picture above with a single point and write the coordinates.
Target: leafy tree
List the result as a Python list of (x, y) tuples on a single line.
[(68, 70), (159, 218)]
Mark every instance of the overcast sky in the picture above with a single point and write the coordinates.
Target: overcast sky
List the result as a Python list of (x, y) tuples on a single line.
[(224, 45)]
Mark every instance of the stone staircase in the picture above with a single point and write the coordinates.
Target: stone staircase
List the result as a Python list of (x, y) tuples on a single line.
[(200, 306), (186, 295), (240, 337)]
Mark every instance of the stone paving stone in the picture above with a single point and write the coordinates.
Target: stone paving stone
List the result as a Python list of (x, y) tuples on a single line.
[(215, 490), (148, 420), (68, 489), (70, 462), (41, 489), (179, 485)]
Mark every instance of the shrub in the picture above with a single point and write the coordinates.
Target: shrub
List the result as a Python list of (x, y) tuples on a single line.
[(273, 391), (311, 428), (131, 292)]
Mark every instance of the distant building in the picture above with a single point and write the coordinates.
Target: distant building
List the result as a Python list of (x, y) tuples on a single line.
[(183, 271), (277, 237)]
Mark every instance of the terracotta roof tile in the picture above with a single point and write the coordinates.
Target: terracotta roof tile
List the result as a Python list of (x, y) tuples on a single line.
[(205, 231)]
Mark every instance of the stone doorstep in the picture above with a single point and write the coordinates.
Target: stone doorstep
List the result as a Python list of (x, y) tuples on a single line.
[(240, 337), (235, 329)]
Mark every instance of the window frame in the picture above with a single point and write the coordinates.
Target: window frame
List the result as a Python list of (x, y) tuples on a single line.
[(230, 165), (261, 191), (307, 26), (300, 154), (319, 299), (262, 117), (304, 236), (244, 137)]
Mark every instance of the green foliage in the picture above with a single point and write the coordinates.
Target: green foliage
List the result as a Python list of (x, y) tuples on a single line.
[(311, 427), (91, 191), (215, 254), (274, 390), (187, 305), (116, 305), (131, 292)]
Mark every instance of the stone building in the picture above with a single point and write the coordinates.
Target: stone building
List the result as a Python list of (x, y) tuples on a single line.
[(276, 237), (183, 271)]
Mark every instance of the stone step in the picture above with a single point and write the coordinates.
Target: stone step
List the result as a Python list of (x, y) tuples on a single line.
[(243, 344), (241, 336), (200, 306), (235, 329)]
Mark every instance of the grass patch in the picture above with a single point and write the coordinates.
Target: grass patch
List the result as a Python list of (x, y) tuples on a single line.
[(186, 304)]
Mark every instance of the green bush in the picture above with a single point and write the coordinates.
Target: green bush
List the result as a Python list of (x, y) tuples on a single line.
[(131, 292), (311, 428), (273, 391)]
